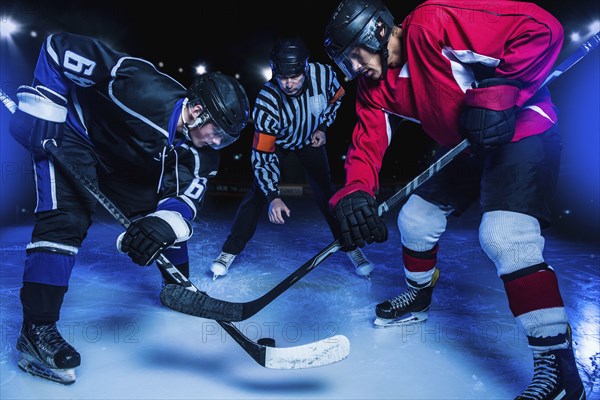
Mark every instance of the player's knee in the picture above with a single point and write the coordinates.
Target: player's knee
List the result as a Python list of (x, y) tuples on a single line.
[(421, 223), (511, 240), (78, 222), (66, 227)]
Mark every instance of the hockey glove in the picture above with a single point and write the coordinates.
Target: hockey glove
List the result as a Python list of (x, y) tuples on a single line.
[(147, 237), (40, 116), (359, 222), (488, 118)]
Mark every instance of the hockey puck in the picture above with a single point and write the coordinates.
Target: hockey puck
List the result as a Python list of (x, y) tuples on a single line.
[(266, 341)]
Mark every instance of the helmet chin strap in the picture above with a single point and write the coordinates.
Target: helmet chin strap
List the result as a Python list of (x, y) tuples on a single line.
[(384, 55), (383, 34), (200, 120), (186, 126)]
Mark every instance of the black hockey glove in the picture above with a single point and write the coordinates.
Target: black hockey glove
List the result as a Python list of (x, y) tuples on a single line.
[(147, 237), (359, 221), (488, 118), (40, 116)]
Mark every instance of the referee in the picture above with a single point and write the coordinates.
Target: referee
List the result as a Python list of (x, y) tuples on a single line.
[(291, 114)]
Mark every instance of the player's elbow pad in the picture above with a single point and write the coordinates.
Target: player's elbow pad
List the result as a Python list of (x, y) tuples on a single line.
[(40, 116)]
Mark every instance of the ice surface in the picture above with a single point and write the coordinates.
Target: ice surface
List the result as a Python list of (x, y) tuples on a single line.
[(134, 348)]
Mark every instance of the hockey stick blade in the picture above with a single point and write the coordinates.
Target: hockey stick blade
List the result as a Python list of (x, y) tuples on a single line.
[(199, 305), (316, 354)]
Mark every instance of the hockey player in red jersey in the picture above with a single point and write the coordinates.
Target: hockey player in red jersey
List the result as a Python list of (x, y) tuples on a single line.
[(150, 143), (463, 70)]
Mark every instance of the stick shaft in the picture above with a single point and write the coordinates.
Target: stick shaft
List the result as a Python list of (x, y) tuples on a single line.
[(574, 58)]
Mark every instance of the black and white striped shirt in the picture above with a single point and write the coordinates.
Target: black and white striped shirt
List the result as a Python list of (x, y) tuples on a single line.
[(289, 122)]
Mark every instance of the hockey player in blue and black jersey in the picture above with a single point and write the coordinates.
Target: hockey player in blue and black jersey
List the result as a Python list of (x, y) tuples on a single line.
[(147, 141), (291, 114)]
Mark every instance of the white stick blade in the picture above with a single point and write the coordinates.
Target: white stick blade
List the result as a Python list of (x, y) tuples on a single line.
[(315, 354)]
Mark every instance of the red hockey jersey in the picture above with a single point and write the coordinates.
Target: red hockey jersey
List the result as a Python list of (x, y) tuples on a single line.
[(447, 45)]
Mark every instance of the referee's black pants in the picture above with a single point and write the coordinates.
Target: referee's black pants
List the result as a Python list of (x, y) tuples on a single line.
[(315, 163)]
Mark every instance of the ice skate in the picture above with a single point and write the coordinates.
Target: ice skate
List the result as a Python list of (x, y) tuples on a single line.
[(555, 375), (221, 264), (46, 354), (362, 265), (410, 307)]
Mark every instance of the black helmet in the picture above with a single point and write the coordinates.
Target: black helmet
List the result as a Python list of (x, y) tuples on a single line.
[(224, 102), (289, 57), (366, 23)]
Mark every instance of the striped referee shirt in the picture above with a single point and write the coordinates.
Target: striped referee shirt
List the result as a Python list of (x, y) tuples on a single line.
[(289, 122)]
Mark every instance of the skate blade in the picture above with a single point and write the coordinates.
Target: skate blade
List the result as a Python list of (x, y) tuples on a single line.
[(215, 276), (218, 271), (414, 318), (365, 270), (63, 376)]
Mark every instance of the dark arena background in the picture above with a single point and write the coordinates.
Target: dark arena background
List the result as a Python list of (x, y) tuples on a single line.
[(455, 356), (236, 38)]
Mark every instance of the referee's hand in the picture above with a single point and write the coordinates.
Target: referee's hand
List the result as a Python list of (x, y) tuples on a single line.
[(277, 209)]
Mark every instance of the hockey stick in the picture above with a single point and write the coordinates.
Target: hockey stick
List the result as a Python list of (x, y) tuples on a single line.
[(190, 303), (323, 352)]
